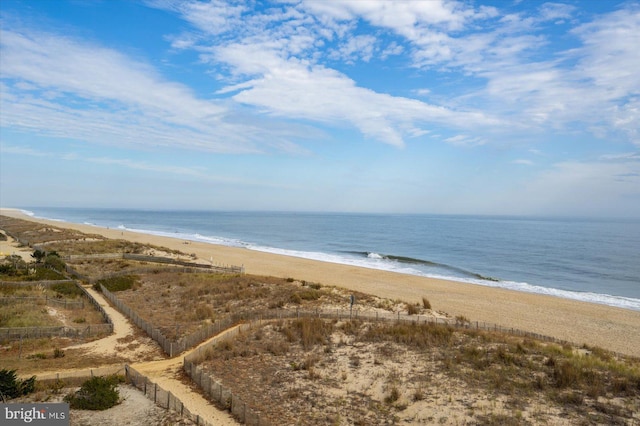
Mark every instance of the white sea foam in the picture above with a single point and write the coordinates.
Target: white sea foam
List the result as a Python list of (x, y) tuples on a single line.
[(379, 262)]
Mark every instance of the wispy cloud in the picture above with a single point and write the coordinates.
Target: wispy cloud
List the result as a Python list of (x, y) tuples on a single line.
[(57, 86), (199, 174), (523, 162), (273, 63), (276, 62), (589, 187)]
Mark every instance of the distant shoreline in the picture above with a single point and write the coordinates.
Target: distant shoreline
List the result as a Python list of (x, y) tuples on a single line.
[(382, 261), (580, 322)]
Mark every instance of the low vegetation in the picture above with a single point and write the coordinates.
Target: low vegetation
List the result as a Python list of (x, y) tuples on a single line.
[(337, 371), (117, 283), (13, 387), (97, 393), (390, 372)]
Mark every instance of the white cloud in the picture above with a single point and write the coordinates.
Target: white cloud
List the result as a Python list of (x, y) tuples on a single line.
[(523, 162), (356, 48), (275, 65), (591, 188), (96, 73), (57, 86), (556, 11), (465, 140)]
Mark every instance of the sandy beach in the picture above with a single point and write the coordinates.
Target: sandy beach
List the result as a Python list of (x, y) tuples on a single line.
[(612, 328)]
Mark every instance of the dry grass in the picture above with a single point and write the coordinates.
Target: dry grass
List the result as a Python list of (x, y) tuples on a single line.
[(180, 303), (351, 372), (384, 373)]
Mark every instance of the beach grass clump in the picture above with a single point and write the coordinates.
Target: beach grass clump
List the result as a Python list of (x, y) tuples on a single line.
[(425, 303), (412, 309), (418, 336), (67, 289), (310, 331), (117, 283)]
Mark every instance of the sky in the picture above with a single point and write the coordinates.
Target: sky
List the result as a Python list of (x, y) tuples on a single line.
[(434, 106)]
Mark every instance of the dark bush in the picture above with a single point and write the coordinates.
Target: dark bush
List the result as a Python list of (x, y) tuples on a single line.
[(12, 387), (121, 283), (67, 289), (97, 393)]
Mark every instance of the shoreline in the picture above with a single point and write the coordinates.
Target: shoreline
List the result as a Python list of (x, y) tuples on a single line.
[(580, 322)]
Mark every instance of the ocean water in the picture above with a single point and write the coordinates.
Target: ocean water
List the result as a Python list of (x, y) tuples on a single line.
[(593, 260)]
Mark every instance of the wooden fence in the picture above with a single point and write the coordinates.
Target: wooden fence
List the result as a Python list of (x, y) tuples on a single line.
[(43, 283), (16, 333), (61, 302), (232, 269), (214, 390), (161, 397)]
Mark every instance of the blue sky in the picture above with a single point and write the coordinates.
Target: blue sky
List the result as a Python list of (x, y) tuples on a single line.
[(496, 107)]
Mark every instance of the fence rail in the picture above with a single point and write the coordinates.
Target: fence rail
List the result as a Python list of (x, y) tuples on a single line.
[(217, 392), (161, 397), (251, 416), (62, 302), (43, 283), (15, 333), (157, 259)]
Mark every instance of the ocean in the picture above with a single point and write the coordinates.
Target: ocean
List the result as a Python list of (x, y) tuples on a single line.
[(594, 260)]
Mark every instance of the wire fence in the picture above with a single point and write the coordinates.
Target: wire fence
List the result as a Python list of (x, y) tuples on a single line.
[(18, 333), (42, 283), (77, 376), (157, 259), (61, 302), (88, 330)]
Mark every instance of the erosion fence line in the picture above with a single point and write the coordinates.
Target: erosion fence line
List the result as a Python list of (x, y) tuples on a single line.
[(161, 397), (78, 376), (157, 259), (215, 391), (169, 346), (16, 333), (61, 302), (43, 283), (249, 415), (155, 270)]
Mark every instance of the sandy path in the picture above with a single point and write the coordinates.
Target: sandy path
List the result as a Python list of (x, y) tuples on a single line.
[(163, 372), (122, 329), (10, 246), (166, 372)]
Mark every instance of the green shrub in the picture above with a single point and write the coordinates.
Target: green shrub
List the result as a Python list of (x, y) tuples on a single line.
[(45, 273), (97, 393), (67, 289), (12, 387), (53, 261), (121, 283)]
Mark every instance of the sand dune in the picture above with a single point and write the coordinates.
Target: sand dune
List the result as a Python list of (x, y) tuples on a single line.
[(580, 322)]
